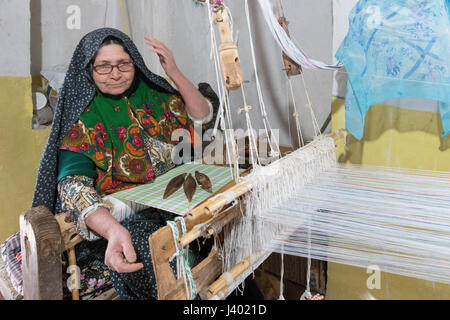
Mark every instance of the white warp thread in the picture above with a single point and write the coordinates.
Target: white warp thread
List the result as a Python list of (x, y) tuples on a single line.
[(272, 185), (396, 219)]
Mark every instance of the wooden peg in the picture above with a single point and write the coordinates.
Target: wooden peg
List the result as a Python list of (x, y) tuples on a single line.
[(229, 55), (73, 273), (291, 68)]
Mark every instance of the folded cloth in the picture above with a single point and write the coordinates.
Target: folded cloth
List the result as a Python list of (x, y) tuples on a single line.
[(395, 49), (12, 259)]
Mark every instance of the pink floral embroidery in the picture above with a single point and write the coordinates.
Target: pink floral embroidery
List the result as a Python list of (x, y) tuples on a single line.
[(168, 114), (137, 141), (99, 127), (150, 175), (100, 282), (121, 130), (115, 184), (84, 146), (100, 143)]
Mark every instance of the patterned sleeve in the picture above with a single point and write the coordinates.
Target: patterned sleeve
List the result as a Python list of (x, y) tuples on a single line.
[(177, 117), (79, 198), (207, 118), (213, 102)]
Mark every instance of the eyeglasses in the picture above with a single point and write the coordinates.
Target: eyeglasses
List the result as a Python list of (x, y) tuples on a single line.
[(108, 68)]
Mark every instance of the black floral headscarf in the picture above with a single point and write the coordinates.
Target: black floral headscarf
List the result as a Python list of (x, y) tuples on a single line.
[(76, 94)]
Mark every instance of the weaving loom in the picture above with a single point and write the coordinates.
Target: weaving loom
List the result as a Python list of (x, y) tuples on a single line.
[(377, 221), (220, 213), (291, 205)]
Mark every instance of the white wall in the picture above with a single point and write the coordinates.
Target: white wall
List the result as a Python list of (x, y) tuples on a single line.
[(184, 27), (14, 38), (52, 42)]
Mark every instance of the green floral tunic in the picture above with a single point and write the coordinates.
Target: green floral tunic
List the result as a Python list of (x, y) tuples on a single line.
[(128, 137)]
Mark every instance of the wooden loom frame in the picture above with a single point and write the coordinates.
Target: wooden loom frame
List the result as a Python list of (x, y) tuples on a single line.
[(44, 237)]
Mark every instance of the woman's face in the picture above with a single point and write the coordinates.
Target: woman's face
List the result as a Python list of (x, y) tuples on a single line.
[(115, 82)]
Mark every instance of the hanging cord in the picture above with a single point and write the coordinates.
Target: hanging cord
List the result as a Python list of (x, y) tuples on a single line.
[(182, 255), (296, 116), (253, 148), (282, 274), (307, 294), (124, 21), (232, 140), (224, 107), (267, 127), (310, 107), (280, 4)]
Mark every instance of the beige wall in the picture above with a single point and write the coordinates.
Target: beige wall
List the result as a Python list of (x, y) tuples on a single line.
[(20, 146), (20, 152)]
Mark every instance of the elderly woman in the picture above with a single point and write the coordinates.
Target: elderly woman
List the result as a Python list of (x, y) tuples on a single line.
[(112, 131)]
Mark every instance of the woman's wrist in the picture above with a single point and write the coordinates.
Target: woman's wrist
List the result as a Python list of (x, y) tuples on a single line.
[(103, 223)]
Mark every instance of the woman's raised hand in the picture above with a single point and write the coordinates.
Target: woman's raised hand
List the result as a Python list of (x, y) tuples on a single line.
[(165, 56), (196, 104)]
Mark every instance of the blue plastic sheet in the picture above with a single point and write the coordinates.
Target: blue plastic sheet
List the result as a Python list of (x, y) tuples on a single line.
[(395, 49)]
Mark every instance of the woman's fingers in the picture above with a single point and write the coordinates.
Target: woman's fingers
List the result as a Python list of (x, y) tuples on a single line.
[(129, 253), (155, 43), (120, 255), (158, 46), (165, 56), (120, 264)]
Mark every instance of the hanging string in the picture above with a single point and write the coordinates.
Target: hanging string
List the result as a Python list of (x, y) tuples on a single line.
[(307, 294), (267, 128), (281, 297), (281, 8), (224, 108), (124, 21), (296, 116), (253, 149), (310, 107), (182, 254)]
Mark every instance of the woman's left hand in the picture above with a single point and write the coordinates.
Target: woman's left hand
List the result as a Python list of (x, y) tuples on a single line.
[(165, 56)]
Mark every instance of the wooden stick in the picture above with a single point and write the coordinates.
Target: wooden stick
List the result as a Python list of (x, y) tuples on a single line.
[(73, 273), (223, 281), (229, 55), (224, 217)]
